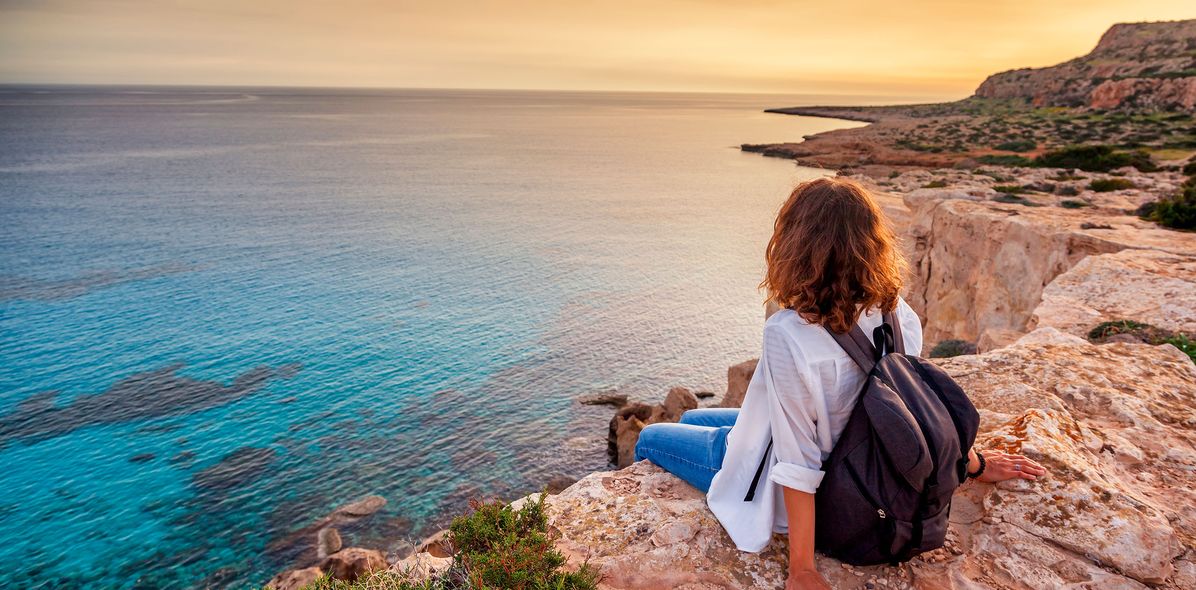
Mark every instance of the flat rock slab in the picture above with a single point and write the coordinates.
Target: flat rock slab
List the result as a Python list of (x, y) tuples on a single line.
[(1118, 509)]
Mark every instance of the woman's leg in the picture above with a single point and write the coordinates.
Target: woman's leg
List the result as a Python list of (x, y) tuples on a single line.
[(693, 453), (710, 417)]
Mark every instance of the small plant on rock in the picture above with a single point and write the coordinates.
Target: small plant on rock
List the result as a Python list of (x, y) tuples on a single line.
[(952, 347), (1109, 184)]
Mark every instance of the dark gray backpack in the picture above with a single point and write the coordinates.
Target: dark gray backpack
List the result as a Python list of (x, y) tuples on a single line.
[(889, 480)]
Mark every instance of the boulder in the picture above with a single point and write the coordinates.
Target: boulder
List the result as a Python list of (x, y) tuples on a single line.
[(676, 402), (294, 579), (738, 377), (628, 421), (1118, 509), (363, 507), (611, 398), (437, 545), (351, 563), (328, 541), (420, 566)]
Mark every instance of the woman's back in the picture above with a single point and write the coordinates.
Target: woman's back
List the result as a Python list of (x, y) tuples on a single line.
[(799, 400)]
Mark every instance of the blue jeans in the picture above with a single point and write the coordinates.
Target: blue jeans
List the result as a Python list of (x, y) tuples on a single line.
[(691, 449)]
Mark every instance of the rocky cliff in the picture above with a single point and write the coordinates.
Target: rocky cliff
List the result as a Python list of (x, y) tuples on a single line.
[(1117, 510), (1029, 273), (985, 244), (1135, 66)]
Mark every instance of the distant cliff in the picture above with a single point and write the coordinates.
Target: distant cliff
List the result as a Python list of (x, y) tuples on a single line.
[(1135, 66)]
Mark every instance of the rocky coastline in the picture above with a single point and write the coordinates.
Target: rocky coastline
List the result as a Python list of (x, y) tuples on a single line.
[(1077, 319)]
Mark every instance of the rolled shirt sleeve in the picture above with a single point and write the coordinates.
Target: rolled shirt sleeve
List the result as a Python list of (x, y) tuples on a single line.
[(793, 413)]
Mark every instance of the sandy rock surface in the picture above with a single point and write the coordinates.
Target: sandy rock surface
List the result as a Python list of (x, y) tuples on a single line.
[(1116, 511), (1150, 286)]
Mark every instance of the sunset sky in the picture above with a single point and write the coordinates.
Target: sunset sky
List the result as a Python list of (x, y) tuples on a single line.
[(927, 47)]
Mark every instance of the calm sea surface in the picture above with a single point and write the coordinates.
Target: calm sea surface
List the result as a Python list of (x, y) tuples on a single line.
[(225, 312)]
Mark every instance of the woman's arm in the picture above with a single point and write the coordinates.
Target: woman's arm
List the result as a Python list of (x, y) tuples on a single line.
[(802, 573)]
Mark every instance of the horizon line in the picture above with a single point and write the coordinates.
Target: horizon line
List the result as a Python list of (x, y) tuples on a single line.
[(4, 84)]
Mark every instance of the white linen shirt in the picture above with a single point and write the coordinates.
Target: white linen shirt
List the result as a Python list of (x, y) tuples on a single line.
[(800, 397)]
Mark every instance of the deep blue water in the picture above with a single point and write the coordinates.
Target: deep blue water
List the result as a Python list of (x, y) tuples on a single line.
[(224, 312)]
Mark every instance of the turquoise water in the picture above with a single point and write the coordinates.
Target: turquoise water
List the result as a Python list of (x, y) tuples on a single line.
[(224, 312)]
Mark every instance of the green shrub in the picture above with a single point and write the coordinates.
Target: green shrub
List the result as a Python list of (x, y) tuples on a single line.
[(1109, 184), (1185, 345), (950, 348), (1004, 160), (1074, 204), (1190, 167), (1017, 145), (497, 547), (935, 184), (1177, 212), (1015, 200), (1010, 189), (1095, 158), (1105, 329), (1146, 333)]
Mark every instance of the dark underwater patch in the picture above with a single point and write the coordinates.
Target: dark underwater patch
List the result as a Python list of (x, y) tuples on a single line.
[(154, 394), (13, 288)]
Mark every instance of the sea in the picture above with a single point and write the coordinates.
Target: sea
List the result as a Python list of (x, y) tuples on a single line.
[(225, 312)]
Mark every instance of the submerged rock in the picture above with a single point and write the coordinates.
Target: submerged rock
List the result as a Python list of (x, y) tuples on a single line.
[(235, 470), (154, 394), (1118, 509), (328, 541), (610, 398)]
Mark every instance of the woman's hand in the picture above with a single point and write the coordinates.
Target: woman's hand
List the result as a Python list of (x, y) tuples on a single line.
[(999, 466), (806, 580)]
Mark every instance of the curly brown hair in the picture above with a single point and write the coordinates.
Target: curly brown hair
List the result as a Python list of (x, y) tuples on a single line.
[(832, 255)]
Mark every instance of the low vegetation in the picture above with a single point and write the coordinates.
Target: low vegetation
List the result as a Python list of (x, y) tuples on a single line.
[(497, 547), (950, 348), (1147, 333), (1015, 200), (1178, 211), (1105, 185), (1095, 158)]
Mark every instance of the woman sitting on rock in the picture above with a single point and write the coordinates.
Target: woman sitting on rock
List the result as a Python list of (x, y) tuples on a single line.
[(832, 264)]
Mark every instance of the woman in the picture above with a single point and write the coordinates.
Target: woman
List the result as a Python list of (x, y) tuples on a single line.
[(832, 263)]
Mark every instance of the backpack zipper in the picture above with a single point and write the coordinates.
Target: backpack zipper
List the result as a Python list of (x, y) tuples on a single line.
[(855, 478)]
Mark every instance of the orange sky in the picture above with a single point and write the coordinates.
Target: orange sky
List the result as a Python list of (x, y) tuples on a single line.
[(931, 48)]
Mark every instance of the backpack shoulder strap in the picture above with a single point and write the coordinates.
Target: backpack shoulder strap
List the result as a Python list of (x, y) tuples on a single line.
[(857, 346), (890, 318)]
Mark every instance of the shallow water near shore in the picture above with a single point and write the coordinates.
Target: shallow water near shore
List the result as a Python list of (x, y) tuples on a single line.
[(225, 312)]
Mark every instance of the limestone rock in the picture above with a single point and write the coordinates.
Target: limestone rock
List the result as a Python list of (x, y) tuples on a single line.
[(421, 566), (676, 402), (294, 579), (1149, 286), (982, 266), (612, 398), (328, 541), (1111, 513), (738, 377), (1135, 65), (437, 545), (350, 563), (363, 507), (628, 421)]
